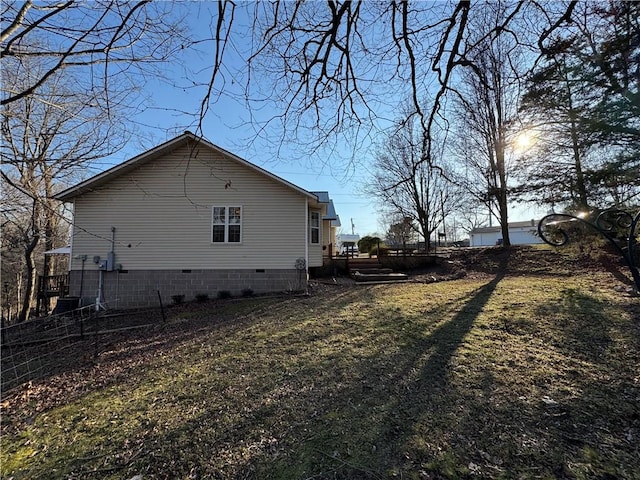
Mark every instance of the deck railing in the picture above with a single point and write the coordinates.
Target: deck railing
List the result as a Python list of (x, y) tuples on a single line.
[(50, 286), (53, 285)]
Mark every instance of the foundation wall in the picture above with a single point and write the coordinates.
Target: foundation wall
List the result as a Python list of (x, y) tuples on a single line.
[(139, 288)]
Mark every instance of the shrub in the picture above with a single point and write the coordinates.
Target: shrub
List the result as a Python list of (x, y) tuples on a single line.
[(247, 292), (202, 297), (224, 294), (177, 299), (365, 244), (384, 250)]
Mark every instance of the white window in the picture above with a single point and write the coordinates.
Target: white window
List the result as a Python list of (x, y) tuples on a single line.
[(315, 227), (226, 225)]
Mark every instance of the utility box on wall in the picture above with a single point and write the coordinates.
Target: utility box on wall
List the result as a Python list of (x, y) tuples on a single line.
[(111, 261), (108, 264)]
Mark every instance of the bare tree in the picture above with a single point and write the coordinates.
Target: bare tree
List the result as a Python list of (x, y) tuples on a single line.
[(48, 141), (487, 97), (332, 70), (328, 68), (408, 186), (69, 72), (470, 216), (401, 231)]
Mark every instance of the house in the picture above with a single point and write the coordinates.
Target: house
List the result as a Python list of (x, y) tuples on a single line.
[(330, 226), (520, 233), (188, 217)]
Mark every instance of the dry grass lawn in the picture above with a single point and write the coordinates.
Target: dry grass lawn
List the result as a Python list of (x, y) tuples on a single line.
[(519, 370)]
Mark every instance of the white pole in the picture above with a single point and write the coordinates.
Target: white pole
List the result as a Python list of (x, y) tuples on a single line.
[(99, 293)]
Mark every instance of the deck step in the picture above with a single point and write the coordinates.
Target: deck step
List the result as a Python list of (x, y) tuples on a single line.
[(381, 282), (379, 277), (369, 270), (357, 265)]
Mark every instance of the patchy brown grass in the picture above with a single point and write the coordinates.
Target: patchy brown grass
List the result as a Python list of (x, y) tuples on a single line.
[(525, 368)]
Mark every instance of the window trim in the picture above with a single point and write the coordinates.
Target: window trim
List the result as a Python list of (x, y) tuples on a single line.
[(312, 228), (227, 224)]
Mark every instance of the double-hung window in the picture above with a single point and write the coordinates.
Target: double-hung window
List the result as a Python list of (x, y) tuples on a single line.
[(315, 227), (226, 225)]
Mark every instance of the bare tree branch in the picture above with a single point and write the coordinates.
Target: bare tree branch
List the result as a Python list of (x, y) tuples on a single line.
[(17, 21), (107, 33)]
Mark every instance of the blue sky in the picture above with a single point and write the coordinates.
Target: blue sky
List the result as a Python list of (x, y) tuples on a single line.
[(173, 107), (343, 185), (174, 103)]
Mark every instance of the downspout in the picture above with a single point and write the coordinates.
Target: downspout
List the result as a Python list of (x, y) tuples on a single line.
[(83, 259), (306, 237), (71, 255)]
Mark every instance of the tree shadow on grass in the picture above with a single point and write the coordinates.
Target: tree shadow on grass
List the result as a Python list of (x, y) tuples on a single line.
[(446, 339), (427, 397), (337, 413), (583, 321), (372, 394), (339, 416), (364, 437), (299, 395)]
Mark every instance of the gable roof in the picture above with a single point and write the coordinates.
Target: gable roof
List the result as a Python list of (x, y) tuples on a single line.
[(156, 152), (323, 197)]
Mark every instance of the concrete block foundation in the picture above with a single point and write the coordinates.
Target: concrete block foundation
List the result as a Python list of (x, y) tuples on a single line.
[(139, 288)]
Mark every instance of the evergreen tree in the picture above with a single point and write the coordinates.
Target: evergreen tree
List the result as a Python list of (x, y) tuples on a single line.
[(583, 100)]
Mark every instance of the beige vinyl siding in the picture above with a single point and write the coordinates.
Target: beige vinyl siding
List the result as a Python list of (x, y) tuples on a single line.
[(315, 255), (329, 238), (334, 241), (326, 236), (162, 216)]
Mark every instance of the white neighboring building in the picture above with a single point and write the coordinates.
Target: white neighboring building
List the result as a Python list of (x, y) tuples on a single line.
[(346, 238), (520, 233), (348, 241)]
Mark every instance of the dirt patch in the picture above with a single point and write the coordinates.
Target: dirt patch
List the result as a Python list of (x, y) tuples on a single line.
[(481, 263)]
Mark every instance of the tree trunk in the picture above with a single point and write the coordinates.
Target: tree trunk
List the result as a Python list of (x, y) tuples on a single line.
[(49, 267), (30, 284), (580, 187), (504, 221), (501, 191), (504, 216)]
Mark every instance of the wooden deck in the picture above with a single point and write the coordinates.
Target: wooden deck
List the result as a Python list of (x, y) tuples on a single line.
[(50, 286)]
